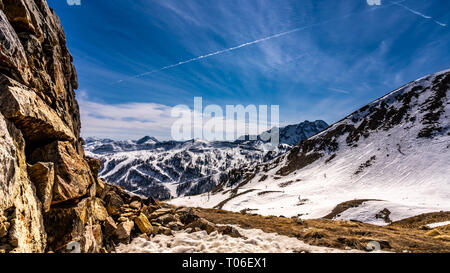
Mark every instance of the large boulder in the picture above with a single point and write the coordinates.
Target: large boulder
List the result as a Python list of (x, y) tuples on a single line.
[(114, 204), (80, 223), (123, 231), (73, 177), (37, 121)]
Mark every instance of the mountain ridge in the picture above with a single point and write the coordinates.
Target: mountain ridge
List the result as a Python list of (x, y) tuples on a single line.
[(393, 150), (167, 169)]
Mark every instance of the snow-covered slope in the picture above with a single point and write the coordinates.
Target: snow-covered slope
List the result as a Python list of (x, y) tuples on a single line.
[(170, 169), (390, 160)]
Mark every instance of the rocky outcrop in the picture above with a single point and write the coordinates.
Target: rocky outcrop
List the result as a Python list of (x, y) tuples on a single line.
[(51, 198), (47, 188)]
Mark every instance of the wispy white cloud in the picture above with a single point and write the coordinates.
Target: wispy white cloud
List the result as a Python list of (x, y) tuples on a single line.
[(254, 42), (124, 121), (135, 120)]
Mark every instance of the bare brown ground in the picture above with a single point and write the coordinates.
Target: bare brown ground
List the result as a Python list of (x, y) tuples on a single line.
[(406, 235)]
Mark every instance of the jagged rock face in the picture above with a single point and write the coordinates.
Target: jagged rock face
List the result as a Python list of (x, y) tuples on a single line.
[(43, 173), (20, 210)]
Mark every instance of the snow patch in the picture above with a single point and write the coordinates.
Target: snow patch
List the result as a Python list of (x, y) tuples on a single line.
[(440, 224), (253, 241)]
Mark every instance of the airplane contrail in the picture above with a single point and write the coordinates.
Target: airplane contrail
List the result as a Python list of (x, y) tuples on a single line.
[(221, 51), (254, 42), (419, 14)]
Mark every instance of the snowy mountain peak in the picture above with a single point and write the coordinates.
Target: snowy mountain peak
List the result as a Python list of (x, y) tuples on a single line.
[(147, 140), (389, 160), (293, 134)]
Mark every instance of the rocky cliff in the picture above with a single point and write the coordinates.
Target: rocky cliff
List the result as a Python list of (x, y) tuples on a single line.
[(48, 189), (51, 198)]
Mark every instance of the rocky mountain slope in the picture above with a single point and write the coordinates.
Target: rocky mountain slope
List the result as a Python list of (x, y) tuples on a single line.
[(164, 170), (384, 162)]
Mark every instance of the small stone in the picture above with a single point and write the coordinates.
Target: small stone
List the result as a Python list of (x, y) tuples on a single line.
[(127, 215), (158, 213), (175, 226), (123, 231), (136, 205), (143, 224), (155, 230), (114, 204), (110, 226), (203, 224), (165, 231), (230, 231), (165, 219)]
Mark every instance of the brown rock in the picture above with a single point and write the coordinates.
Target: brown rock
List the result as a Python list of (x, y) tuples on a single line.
[(123, 231), (17, 194), (72, 174), (136, 205), (158, 213), (37, 121), (165, 231), (110, 226), (4, 227), (100, 188), (19, 15), (230, 231), (77, 223), (94, 164), (98, 235), (176, 226), (114, 204), (165, 219), (203, 224), (128, 215), (187, 215), (43, 177), (143, 224)]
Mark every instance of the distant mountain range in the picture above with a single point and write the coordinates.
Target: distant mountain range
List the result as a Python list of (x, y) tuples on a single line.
[(168, 169)]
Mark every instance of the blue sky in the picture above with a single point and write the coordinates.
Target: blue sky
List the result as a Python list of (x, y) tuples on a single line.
[(342, 55)]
